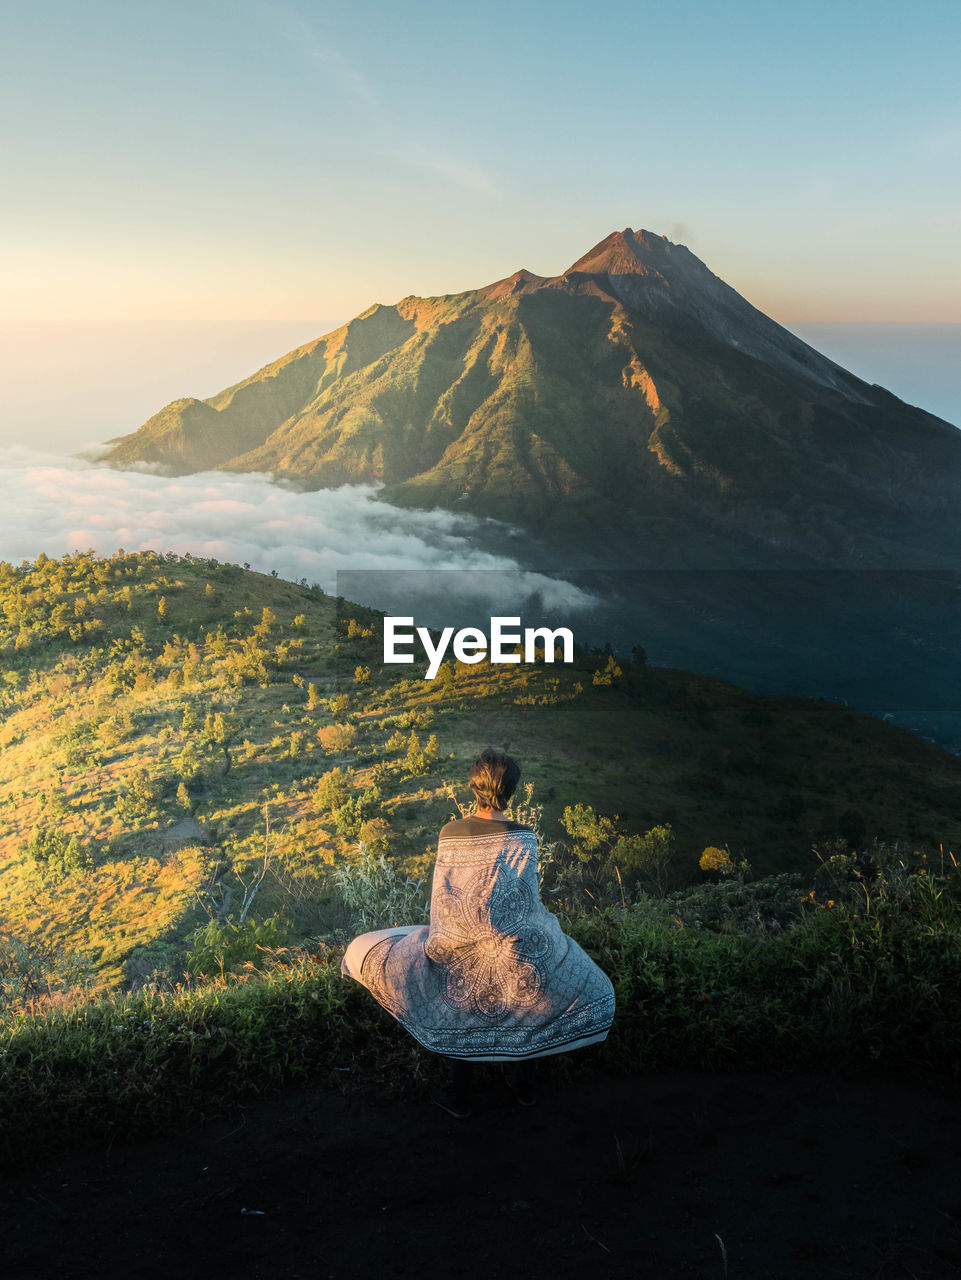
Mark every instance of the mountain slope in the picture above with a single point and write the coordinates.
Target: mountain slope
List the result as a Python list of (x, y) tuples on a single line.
[(634, 410)]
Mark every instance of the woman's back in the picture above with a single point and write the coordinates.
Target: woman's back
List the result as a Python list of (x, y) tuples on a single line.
[(493, 977), (488, 927)]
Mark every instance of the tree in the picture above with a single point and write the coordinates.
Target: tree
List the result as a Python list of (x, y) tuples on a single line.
[(606, 851), (416, 760), (648, 856), (332, 789), (220, 731), (608, 674), (56, 854), (721, 863)]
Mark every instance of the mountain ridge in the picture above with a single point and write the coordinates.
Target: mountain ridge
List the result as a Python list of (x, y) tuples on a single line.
[(634, 399)]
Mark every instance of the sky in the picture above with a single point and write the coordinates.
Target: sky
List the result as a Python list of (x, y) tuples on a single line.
[(191, 189)]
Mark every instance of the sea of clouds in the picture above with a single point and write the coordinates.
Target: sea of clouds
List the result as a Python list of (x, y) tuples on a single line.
[(56, 505)]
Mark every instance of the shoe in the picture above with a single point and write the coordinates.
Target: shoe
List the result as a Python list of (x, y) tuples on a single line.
[(459, 1108), (519, 1083)]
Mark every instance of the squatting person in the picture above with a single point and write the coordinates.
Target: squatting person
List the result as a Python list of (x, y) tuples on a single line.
[(493, 978)]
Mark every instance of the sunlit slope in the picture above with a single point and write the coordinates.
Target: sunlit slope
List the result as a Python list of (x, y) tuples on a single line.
[(168, 723), (634, 408)]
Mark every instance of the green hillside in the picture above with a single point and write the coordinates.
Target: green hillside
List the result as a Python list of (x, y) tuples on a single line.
[(181, 740)]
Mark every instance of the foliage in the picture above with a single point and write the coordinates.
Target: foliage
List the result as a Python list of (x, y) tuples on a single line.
[(357, 809), (337, 737), (56, 854), (606, 675), (333, 788), (376, 896), (835, 983), (721, 863), (602, 852), (118, 726), (34, 977), (222, 946), (132, 1065), (871, 979)]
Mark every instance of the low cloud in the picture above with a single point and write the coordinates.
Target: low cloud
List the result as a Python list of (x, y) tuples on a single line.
[(58, 505)]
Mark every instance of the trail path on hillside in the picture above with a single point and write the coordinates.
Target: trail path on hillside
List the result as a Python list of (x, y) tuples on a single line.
[(798, 1175)]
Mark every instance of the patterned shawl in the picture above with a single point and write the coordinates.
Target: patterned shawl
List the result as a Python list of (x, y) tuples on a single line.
[(493, 977)]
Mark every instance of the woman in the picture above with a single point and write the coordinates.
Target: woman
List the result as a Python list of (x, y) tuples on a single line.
[(492, 978)]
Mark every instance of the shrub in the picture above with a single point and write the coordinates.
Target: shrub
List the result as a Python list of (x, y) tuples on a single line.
[(56, 854), (337, 737), (608, 674), (375, 834), (332, 789), (721, 863), (376, 896), (221, 946), (605, 854), (356, 809)]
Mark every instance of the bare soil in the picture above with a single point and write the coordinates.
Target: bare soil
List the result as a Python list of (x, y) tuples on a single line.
[(751, 1176)]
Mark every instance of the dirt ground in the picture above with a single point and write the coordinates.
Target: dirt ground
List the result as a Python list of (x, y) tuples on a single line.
[(660, 1176)]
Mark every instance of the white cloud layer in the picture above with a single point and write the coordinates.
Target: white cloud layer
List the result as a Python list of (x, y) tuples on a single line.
[(57, 505)]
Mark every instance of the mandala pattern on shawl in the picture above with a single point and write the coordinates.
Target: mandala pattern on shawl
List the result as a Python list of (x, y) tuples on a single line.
[(493, 947)]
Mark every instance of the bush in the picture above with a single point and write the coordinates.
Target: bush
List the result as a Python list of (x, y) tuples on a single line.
[(720, 862), (221, 946), (337, 737), (56, 854), (605, 854), (802, 981), (375, 896), (332, 789)]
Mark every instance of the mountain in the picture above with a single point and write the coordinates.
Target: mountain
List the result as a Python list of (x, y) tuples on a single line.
[(633, 411)]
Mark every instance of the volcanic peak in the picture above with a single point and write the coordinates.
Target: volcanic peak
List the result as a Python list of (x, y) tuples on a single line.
[(624, 253)]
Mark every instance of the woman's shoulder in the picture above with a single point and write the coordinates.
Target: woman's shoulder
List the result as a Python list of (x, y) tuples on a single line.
[(467, 828)]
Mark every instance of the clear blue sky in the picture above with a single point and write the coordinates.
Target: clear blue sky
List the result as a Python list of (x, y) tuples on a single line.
[(248, 174)]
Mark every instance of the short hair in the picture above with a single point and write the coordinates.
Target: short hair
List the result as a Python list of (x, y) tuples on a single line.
[(493, 778)]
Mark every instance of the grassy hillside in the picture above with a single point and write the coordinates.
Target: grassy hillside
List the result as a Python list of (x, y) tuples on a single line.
[(183, 741)]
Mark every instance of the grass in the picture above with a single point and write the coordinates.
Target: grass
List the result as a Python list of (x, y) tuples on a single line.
[(121, 719), (868, 978)]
